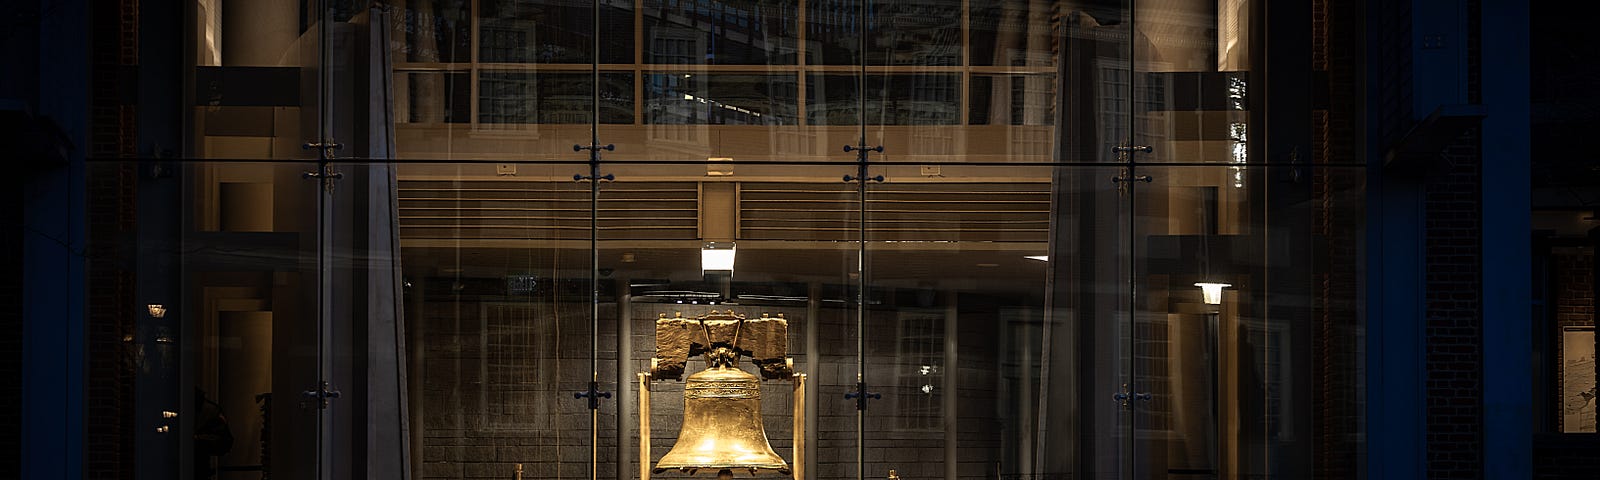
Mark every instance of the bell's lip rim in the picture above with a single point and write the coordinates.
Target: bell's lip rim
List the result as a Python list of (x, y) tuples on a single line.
[(725, 372)]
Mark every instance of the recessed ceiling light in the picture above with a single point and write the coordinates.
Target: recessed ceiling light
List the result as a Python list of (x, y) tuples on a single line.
[(1042, 258)]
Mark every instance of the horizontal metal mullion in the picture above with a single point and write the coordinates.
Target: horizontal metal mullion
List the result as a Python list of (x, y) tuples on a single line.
[(492, 204)]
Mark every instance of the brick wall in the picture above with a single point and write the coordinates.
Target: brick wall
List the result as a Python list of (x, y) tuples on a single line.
[(11, 321), (1340, 218), (1453, 323), (109, 206), (1572, 279), (1573, 282), (1556, 455), (1564, 457)]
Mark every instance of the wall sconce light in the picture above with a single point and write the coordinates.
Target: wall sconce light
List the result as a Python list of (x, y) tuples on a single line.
[(1212, 291), (156, 310), (717, 257)]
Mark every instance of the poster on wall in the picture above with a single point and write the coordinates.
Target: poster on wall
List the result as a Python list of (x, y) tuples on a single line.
[(1578, 380)]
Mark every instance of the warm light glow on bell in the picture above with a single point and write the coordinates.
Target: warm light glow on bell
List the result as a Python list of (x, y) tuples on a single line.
[(1212, 291), (717, 257), (156, 310)]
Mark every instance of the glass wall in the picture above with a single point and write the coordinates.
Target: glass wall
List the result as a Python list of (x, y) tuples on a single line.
[(451, 239)]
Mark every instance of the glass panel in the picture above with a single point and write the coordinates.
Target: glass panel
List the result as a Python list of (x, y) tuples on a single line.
[(1009, 32), (912, 99), (252, 90), (1192, 80), (900, 32), (761, 32), (432, 31), (554, 32), (995, 98), (785, 225), (202, 316), (997, 307), (1230, 377), (1010, 100), (720, 99), (552, 98), (722, 82), (519, 90), (833, 32), (497, 319), (432, 97)]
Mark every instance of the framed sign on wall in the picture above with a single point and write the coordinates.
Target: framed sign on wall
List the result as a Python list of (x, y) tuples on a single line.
[(1578, 380)]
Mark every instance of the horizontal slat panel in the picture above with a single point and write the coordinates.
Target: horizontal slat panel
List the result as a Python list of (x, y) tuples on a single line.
[(509, 209), (980, 212), (500, 209)]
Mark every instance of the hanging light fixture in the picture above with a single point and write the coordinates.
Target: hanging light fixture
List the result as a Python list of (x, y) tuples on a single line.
[(717, 257), (1212, 291), (1210, 288)]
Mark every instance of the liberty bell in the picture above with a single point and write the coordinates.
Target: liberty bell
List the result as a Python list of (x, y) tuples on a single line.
[(722, 431)]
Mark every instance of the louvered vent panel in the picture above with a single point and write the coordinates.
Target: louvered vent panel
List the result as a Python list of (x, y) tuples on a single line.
[(519, 210), (969, 212)]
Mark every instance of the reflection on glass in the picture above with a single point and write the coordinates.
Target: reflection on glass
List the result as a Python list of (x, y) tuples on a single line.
[(758, 32), (1011, 100), (553, 31), (698, 99), (428, 97), (1198, 116), (432, 31), (496, 340), (1007, 32), (901, 32), (1189, 85), (833, 32), (909, 99), (543, 97)]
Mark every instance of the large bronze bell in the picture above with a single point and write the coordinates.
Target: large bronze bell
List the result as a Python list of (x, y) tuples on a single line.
[(722, 425), (722, 431)]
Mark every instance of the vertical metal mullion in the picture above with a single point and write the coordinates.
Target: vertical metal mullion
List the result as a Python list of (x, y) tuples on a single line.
[(861, 251), (324, 225), (950, 376), (594, 241), (966, 62), (799, 65), (476, 32), (624, 312), (638, 62), (1131, 244), (811, 341)]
